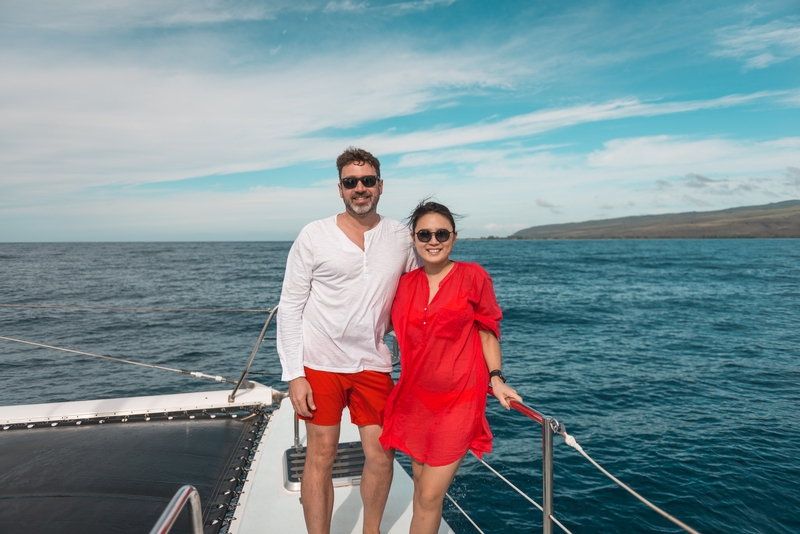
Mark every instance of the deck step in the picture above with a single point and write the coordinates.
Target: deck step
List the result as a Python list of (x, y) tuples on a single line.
[(347, 466)]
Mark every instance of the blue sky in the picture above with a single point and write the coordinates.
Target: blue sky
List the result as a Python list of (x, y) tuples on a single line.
[(213, 120)]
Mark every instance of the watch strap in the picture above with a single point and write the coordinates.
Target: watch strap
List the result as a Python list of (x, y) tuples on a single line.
[(497, 372)]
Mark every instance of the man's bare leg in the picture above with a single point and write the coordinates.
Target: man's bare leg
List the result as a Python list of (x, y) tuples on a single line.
[(316, 488), (376, 478)]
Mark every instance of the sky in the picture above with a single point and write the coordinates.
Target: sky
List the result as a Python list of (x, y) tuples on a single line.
[(206, 120)]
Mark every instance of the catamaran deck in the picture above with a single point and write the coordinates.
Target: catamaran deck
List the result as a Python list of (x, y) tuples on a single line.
[(113, 465)]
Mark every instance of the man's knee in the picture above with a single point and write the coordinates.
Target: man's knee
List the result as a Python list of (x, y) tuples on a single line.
[(380, 460), (323, 443), (376, 456), (320, 458)]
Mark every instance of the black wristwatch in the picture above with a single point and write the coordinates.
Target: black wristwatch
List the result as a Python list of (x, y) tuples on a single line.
[(497, 372)]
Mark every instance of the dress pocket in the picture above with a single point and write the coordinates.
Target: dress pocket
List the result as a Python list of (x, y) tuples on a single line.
[(450, 324)]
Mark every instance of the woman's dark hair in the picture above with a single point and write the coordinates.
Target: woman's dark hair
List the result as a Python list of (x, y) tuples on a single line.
[(359, 156), (425, 207)]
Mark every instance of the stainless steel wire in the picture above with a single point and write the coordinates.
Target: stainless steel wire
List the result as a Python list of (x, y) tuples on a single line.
[(195, 374), (574, 444), (124, 308), (452, 500), (504, 479)]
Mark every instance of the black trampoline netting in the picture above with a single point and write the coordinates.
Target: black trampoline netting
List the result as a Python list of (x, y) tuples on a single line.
[(118, 476)]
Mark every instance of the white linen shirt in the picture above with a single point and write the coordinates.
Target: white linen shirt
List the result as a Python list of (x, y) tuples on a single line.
[(336, 299)]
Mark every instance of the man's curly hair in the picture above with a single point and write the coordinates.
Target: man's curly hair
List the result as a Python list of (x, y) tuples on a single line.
[(358, 156)]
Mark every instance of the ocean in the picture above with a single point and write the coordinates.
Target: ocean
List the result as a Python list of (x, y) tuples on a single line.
[(674, 363)]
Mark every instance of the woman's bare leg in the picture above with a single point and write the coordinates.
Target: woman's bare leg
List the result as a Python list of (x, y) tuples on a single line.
[(430, 485)]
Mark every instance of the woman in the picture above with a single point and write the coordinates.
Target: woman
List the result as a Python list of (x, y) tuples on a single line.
[(447, 322)]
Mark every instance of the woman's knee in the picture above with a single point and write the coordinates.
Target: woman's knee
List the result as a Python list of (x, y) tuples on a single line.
[(429, 498)]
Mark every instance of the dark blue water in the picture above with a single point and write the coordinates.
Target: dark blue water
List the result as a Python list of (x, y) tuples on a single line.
[(676, 364)]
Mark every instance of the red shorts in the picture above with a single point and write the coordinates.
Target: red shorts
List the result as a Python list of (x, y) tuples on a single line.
[(365, 393)]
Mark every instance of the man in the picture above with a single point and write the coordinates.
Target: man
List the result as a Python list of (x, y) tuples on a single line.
[(341, 276)]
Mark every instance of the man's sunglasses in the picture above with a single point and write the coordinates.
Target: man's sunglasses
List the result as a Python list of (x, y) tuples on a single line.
[(351, 183), (442, 235)]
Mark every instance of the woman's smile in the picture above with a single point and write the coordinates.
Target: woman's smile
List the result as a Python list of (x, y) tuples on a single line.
[(433, 252)]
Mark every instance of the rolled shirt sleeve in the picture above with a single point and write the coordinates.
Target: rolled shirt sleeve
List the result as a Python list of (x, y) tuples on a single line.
[(488, 313), (294, 295)]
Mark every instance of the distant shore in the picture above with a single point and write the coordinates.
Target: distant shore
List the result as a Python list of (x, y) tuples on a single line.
[(776, 220)]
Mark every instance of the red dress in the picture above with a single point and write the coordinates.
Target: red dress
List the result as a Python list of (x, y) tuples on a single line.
[(437, 409)]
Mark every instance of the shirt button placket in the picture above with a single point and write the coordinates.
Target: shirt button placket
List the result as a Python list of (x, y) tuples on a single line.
[(365, 263)]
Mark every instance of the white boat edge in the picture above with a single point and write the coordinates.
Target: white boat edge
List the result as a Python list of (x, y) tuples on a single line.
[(58, 412)]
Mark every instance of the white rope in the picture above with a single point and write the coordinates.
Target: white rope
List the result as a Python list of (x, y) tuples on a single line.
[(504, 479), (464, 513), (574, 444), (195, 374)]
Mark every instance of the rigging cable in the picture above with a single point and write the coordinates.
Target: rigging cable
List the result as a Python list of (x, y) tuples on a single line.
[(504, 479), (558, 428), (452, 500), (195, 374), (121, 308)]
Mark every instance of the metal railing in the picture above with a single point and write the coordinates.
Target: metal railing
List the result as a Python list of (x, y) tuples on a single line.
[(547, 460), (170, 514), (239, 382)]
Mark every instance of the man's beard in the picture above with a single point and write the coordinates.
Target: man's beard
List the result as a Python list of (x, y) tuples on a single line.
[(362, 209)]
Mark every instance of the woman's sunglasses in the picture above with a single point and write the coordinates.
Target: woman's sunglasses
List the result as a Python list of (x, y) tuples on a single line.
[(351, 183), (442, 235)]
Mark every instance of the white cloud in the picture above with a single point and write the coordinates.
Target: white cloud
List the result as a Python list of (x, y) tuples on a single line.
[(537, 122), (94, 125), (680, 156), (345, 5), (100, 14), (262, 213), (500, 191), (793, 176), (762, 45), (92, 96), (636, 176), (86, 126), (421, 5)]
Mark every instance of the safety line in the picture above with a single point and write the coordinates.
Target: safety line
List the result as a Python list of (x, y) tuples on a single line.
[(504, 479), (464, 513), (195, 374), (557, 522), (574, 444), (120, 308)]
